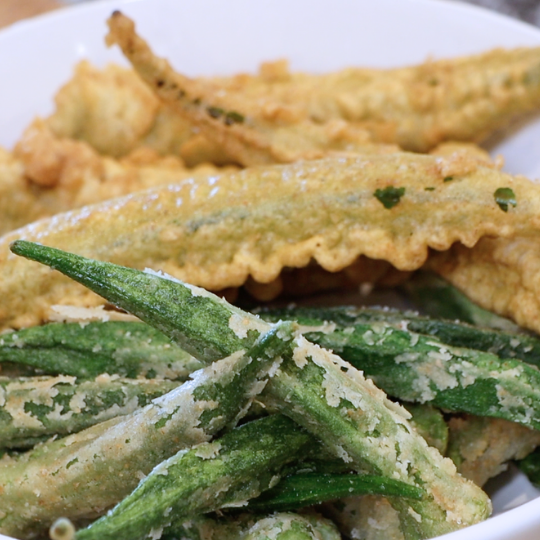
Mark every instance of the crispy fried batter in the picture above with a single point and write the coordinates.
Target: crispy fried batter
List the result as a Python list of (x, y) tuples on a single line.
[(68, 174), (217, 231), (113, 111), (19, 203), (311, 279), (277, 135), (499, 274), (303, 116), (366, 517), (482, 447)]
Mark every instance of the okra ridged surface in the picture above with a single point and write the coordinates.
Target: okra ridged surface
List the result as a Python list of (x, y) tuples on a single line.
[(418, 368), (106, 461), (504, 344), (36, 407), (347, 413), (128, 349), (228, 471)]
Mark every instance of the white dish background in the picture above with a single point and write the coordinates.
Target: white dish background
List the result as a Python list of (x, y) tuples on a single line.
[(210, 37)]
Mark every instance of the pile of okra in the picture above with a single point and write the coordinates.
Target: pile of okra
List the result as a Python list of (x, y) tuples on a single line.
[(203, 421)]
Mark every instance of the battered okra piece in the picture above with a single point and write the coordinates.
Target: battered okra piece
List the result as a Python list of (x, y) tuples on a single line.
[(36, 407), (354, 419), (226, 472), (279, 526), (128, 349), (85, 474), (505, 344), (418, 368), (314, 387), (368, 517), (292, 527), (482, 447)]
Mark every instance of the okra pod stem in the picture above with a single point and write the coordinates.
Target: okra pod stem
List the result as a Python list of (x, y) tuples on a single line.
[(128, 349)]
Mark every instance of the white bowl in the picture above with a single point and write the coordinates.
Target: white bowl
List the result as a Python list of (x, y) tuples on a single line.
[(217, 37)]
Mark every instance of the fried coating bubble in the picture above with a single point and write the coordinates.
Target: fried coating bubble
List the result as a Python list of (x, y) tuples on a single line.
[(302, 116), (217, 231), (499, 274)]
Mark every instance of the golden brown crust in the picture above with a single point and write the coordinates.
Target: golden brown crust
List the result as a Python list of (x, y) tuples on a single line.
[(218, 231), (19, 202), (499, 274), (297, 116), (64, 174), (482, 447)]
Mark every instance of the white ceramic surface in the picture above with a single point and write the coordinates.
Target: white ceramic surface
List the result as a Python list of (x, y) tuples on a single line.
[(219, 37)]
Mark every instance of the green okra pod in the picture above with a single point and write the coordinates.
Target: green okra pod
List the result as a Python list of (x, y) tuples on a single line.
[(36, 407), (86, 473), (438, 298), (504, 344), (430, 424), (355, 420), (324, 394), (419, 368), (128, 349), (306, 489), (201, 323), (228, 471)]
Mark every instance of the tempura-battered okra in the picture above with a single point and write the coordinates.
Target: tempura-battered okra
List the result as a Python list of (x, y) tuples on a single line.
[(127, 349), (324, 394), (106, 461), (330, 211), (418, 368), (415, 107), (278, 526), (228, 471), (34, 407), (503, 343), (482, 447)]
